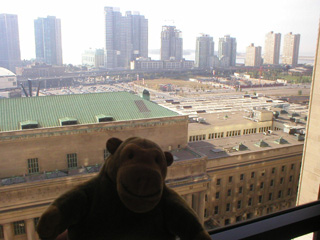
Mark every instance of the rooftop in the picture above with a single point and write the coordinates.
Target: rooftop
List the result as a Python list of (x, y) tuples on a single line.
[(224, 147), (5, 72), (51, 111)]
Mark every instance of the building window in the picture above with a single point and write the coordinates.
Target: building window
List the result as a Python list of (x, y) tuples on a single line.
[(260, 198), (270, 196), (251, 187), (217, 195), (218, 181), (273, 170), (230, 179), (216, 209), (241, 176), (289, 191), (33, 165), (283, 168), (205, 213), (248, 215), (292, 166), (36, 220), (238, 218), (240, 189), (72, 160), (105, 154), (250, 202), (227, 221), (281, 180), (261, 185), (229, 193), (290, 178), (239, 204), (271, 183), (19, 228), (1, 232), (228, 207), (206, 198), (252, 174), (280, 194)]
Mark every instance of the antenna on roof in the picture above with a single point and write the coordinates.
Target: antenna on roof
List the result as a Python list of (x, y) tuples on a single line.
[(24, 90), (38, 88)]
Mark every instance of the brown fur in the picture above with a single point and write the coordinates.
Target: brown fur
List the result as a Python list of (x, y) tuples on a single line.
[(128, 199)]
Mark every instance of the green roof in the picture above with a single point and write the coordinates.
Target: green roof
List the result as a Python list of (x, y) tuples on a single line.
[(47, 110)]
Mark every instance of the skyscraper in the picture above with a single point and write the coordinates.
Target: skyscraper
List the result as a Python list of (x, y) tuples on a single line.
[(48, 40), (126, 37), (253, 56), (290, 53), (228, 50), (272, 48), (204, 51), (10, 56), (171, 43)]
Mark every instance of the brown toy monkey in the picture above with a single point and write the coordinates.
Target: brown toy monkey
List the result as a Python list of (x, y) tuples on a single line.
[(128, 199)]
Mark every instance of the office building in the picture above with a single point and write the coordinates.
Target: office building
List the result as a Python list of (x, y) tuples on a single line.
[(126, 38), (171, 44), (93, 58), (10, 57), (272, 48), (204, 51), (48, 44), (227, 51), (309, 187), (291, 45), (253, 56)]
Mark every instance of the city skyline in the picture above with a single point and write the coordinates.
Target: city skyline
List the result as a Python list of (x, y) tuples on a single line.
[(84, 29)]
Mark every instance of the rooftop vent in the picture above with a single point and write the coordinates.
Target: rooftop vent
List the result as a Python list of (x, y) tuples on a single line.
[(29, 124), (262, 143), (104, 118), (281, 140), (240, 147), (216, 150), (68, 121)]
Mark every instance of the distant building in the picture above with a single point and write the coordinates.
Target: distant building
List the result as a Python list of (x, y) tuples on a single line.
[(10, 57), (253, 56), (48, 40), (93, 58), (227, 51), (272, 48), (291, 45), (8, 84), (147, 63), (126, 38), (40, 70), (171, 44), (204, 52)]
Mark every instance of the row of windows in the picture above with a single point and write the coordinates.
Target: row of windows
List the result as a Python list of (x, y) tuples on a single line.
[(264, 129), (215, 135), (233, 133), (72, 162), (19, 227), (197, 138), (228, 134), (249, 131), (253, 175), (239, 203)]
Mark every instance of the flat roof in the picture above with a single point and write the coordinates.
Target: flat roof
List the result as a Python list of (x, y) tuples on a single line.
[(224, 147)]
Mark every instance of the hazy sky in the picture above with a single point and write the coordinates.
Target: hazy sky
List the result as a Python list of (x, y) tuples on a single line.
[(246, 20)]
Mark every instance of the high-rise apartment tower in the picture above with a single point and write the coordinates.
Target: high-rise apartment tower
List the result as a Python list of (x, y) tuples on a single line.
[(253, 56), (228, 50), (126, 38), (10, 56), (204, 51), (47, 33), (171, 43), (290, 53), (272, 48)]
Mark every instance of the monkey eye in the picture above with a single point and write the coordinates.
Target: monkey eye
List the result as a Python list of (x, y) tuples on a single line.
[(131, 155)]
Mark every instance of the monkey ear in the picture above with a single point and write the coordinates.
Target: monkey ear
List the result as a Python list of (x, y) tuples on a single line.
[(169, 158), (113, 144)]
